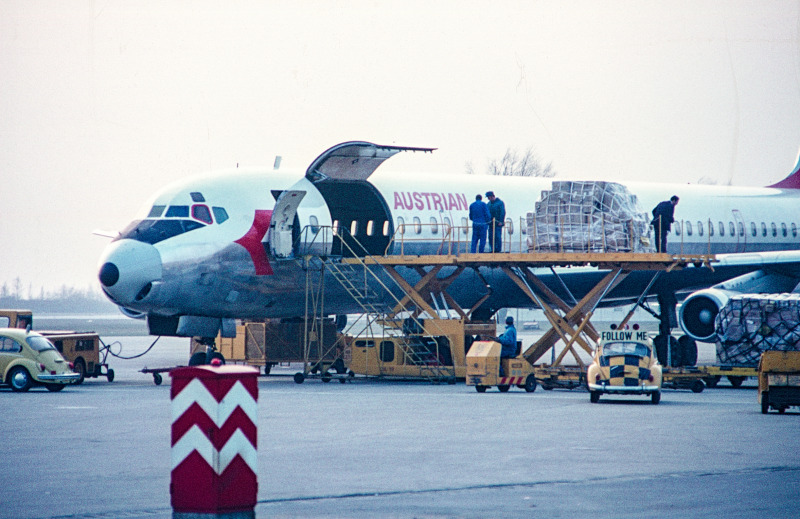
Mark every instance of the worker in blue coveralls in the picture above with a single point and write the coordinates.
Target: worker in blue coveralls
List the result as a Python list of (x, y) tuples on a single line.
[(508, 342), (479, 214), (497, 210)]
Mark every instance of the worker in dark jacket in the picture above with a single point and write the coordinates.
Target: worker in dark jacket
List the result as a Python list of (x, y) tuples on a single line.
[(497, 209), (508, 342), (479, 215), (663, 216)]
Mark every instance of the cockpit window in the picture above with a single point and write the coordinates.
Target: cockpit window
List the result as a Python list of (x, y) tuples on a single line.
[(202, 213), (220, 214), (197, 197), (154, 231), (156, 211), (178, 211)]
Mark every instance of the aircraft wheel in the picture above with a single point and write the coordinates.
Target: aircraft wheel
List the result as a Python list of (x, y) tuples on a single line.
[(198, 358), (20, 379), (299, 378), (504, 388), (688, 347), (765, 402), (55, 388), (655, 397), (480, 389), (530, 384), (217, 356)]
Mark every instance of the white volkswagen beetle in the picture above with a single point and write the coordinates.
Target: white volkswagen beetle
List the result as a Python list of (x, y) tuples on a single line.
[(624, 364)]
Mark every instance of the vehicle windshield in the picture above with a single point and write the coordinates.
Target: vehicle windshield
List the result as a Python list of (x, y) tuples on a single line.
[(154, 231), (611, 349), (39, 343)]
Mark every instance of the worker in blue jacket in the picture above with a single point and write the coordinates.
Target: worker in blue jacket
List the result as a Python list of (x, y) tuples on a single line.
[(508, 342), (479, 214)]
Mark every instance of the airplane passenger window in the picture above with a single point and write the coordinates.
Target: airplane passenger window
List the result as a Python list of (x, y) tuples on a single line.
[(732, 229), (510, 226), (353, 227), (763, 229), (178, 211), (721, 229), (774, 229), (370, 228), (688, 228), (386, 227), (313, 222), (677, 228), (417, 225), (447, 225), (220, 214), (794, 230), (401, 225), (156, 211), (741, 229), (753, 230), (783, 230), (434, 225), (699, 228), (464, 225), (710, 228), (202, 213)]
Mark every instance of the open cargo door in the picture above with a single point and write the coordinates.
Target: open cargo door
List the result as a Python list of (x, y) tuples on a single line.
[(283, 217), (354, 160)]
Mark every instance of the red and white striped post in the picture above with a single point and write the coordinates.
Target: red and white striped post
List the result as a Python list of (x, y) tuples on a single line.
[(214, 440)]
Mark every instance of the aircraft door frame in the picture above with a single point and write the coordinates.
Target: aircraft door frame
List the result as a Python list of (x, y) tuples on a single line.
[(741, 237), (281, 240)]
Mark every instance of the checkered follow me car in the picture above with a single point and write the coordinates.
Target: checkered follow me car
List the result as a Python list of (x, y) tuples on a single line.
[(624, 364)]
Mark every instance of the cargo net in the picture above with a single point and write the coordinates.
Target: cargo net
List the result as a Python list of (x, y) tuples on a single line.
[(588, 217), (749, 325)]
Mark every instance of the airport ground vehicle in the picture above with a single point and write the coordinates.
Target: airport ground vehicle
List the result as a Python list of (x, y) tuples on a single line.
[(779, 380), (483, 369), (82, 349), (28, 359), (624, 363)]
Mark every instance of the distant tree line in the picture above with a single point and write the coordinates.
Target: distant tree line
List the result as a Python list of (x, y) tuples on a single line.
[(64, 300), (516, 164)]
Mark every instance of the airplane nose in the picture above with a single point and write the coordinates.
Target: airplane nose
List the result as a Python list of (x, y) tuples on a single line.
[(128, 269)]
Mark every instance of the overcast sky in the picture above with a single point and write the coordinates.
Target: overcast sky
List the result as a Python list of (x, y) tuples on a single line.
[(101, 103)]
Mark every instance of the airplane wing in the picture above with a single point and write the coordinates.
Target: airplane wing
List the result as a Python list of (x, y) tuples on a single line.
[(783, 262), (354, 160)]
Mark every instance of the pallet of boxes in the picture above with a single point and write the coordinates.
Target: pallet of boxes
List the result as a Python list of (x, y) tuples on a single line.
[(588, 217)]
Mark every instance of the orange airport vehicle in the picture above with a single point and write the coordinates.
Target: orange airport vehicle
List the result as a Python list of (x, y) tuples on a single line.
[(82, 349)]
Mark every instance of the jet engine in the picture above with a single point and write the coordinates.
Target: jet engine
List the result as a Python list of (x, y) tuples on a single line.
[(699, 310)]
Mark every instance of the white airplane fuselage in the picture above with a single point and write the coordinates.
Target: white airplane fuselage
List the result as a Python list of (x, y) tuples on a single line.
[(213, 246)]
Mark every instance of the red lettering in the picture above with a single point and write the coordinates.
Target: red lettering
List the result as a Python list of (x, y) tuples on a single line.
[(418, 199), (427, 199), (463, 199), (398, 201), (451, 201), (437, 201)]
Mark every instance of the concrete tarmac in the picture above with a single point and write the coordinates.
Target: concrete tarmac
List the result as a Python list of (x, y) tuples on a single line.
[(390, 449)]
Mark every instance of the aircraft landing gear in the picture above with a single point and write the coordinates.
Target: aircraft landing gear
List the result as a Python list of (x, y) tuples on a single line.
[(210, 354)]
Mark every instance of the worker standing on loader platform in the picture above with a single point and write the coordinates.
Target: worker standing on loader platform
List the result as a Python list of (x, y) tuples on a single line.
[(508, 342)]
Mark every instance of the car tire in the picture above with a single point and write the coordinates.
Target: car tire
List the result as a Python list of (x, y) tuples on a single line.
[(594, 396), (698, 386), (19, 379), (55, 388), (655, 397), (79, 367), (299, 378)]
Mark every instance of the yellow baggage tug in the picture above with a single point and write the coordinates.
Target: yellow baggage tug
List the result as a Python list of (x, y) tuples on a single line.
[(483, 369)]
